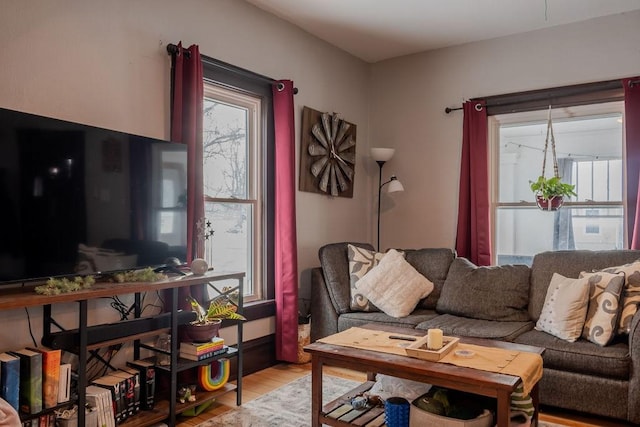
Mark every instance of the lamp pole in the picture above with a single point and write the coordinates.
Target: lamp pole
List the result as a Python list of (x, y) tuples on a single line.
[(380, 164)]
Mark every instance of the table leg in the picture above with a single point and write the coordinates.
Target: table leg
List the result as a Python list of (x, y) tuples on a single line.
[(316, 390), (504, 403), (535, 397)]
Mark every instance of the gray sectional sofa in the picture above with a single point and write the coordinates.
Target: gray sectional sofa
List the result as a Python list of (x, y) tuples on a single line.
[(580, 376)]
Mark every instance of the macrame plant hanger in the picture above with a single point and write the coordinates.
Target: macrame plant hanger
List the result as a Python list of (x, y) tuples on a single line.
[(556, 202)]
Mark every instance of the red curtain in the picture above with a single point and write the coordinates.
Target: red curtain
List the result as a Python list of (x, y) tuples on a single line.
[(286, 257), (632, 138), (186, 128), (473, 240)]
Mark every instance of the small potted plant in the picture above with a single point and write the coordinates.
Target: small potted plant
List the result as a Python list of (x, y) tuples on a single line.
[(208, 321), (550, 192)]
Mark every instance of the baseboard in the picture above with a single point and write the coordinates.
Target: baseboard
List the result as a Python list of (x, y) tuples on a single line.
[(258, 354)]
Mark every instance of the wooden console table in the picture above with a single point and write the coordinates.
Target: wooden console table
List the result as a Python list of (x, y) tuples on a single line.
[(491, 384)]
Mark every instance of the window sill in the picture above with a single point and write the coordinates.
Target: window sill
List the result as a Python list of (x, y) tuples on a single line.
[(259, 309)]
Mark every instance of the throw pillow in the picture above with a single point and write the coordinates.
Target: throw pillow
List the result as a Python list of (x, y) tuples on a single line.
[(565, 307), (605, 290), (488, 293), (361, 261), (394, 285), (630, 294)]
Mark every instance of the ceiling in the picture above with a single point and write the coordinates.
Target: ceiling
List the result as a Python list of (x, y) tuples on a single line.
[(375, 30)]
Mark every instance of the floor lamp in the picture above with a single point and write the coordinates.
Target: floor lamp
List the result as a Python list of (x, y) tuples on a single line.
[(381, 156)]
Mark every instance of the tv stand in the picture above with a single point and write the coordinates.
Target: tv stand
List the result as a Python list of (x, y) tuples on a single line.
[(146, 328)]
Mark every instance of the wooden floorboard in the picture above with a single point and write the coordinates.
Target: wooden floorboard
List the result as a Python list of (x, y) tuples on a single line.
[(262, 382)]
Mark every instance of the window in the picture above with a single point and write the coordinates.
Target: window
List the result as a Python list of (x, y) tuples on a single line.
[(589, 151), (238, 176)]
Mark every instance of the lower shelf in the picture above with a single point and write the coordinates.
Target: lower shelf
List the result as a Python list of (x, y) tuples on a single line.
[(160, 411), (339, 411)]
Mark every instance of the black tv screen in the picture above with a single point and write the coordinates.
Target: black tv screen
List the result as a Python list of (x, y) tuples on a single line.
[(78, 199)]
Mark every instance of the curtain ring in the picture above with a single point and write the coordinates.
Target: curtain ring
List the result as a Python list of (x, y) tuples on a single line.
[(280, 86), (478, 107)]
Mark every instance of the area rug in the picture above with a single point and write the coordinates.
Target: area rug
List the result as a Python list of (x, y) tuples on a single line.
[(287, 406)]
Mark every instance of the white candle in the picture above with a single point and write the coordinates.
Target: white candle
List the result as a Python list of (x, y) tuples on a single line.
[(434, 339)]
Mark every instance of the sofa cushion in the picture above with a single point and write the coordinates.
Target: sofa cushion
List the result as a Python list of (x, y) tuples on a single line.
[(569, 264), (582, 356), (360, 318), (334, 261), (432, 263), (631, 294), (361, 261), (605, 290), (488, 293), (466, 327), (394, 285)]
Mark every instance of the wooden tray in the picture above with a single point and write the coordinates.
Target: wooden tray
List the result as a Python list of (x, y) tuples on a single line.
[(419, 348)]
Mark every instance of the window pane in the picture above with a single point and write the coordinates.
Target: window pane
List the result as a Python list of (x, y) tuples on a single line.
[(568, 228), (231, 246), (225, 150)]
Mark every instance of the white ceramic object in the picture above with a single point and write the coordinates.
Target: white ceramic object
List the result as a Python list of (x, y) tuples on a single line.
[(199, 266)]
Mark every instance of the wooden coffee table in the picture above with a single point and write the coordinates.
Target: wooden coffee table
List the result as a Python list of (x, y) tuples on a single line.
[(496, 385)]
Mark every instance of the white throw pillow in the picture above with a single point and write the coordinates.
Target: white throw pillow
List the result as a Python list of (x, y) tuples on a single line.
[(394, 286), (565, 308), (630, 295), (361, 261)]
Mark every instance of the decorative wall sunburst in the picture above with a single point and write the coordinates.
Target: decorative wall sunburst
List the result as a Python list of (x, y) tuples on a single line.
[(327, 156)]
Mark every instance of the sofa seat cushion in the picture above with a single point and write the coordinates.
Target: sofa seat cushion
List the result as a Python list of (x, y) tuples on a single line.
[(359, 318), (582, 356), (466, 327), (489, 293)]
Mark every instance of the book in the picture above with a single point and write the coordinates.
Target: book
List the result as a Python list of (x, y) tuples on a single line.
[(10, 379), (113, 384), (130, 390), (30, 380), (207, 355), (50, 375), (198, 347), (147, 372), (100, 398), (64, 383)]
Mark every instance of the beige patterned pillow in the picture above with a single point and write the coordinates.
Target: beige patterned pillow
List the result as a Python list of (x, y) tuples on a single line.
[(630, 294), (361, 261), (394, 285), (605, 290), (565, 308)]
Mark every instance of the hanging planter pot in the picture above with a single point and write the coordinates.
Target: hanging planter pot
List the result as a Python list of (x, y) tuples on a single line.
[(550, 192), (552, 204)]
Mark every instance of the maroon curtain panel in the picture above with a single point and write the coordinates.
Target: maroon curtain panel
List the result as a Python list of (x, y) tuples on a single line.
[(473, 240), (632, 140), (186, 128), (286, 257)]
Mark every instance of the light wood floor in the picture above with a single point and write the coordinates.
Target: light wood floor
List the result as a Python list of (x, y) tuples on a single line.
[(262, 382)]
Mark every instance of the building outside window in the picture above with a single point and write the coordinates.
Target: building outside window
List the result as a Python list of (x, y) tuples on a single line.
[(589, 147)]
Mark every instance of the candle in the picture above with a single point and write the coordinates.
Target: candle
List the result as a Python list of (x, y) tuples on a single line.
[(434, 339)]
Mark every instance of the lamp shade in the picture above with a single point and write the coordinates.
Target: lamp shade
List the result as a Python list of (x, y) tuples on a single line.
[(394, 185), (382, 154)]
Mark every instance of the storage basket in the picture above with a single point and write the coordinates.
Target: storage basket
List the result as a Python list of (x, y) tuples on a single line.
[(421, 418)]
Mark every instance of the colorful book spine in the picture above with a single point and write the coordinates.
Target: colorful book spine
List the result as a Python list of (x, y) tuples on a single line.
[(10, 379), (195, 347), (50, 375), (207, 355), (30, 380)]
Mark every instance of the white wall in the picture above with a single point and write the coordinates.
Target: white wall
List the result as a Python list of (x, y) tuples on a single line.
[(409, 95), (104, 63)]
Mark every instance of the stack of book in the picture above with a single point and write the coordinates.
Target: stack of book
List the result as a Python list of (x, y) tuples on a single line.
[(202, 350)]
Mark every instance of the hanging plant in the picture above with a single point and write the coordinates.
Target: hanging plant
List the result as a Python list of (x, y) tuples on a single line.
[(550, 192)]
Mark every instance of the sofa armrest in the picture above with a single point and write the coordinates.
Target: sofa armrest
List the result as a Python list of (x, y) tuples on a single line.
[(634, 380), (324, 314)]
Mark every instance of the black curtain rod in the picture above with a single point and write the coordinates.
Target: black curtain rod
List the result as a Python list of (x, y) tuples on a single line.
[(172, 49), (598, 92)]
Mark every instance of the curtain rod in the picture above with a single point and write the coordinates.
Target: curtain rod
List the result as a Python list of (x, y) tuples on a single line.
[(172, 49), (610, 90)]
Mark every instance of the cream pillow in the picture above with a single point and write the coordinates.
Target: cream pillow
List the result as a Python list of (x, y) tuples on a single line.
[(394, 285), (565, 308), (601, 323)]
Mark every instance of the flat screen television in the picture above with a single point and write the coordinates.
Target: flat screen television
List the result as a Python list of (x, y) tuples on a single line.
[(78, 199)]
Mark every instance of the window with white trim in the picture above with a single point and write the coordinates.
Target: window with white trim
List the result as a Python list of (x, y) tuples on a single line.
[(589, 147)]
